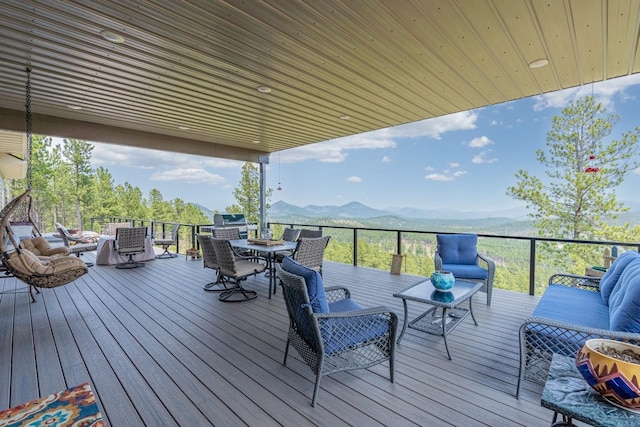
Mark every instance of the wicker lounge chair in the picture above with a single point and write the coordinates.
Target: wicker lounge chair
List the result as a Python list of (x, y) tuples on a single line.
[(331, 332)]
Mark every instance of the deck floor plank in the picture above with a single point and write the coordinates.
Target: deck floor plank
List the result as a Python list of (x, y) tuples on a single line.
[(158, 350)]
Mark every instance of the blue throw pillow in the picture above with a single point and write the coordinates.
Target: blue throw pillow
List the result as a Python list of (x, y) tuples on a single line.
[(610, 279), (458, 248), (313, 279), (624, 302)]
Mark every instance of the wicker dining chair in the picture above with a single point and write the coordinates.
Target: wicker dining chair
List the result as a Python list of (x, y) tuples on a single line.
[(130, 242), (236, 269), (210, 260), (310, 252)]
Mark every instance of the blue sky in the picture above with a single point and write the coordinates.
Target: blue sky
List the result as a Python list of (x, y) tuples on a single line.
[(463, 161)]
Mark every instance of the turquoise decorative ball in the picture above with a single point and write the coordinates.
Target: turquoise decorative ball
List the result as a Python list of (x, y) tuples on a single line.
[(442, 280)]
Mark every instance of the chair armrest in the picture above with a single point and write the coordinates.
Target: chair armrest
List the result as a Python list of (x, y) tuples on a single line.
[(336, 293), (241, 257), (576, 281), (437, 260), (491, 266), (382, 309)]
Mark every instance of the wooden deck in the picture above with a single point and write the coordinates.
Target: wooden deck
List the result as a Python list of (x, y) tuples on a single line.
[(159, 351)]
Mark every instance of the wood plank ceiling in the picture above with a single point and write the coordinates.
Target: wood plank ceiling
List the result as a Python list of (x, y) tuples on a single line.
[(185, 78)]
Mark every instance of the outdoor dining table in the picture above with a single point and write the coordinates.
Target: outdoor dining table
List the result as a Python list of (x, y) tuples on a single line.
[(270, 250)]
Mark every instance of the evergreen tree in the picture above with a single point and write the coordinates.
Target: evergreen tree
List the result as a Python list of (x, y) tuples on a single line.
[(247, 194), (77, 154), (575, 201)]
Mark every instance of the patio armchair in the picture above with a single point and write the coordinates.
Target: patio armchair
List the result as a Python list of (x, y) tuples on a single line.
[(458, 253), (235, 270), (167, 239), (330, 331), (130, 242), (210, 260)]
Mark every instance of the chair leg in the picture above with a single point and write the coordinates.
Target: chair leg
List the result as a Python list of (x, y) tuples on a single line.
[(131, 263), (211, 286), (316, 389), (233, 294), (166, 253)]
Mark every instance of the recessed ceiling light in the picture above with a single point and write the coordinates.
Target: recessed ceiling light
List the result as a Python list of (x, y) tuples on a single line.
[(183, 127), (74, 107), (345, 117), (111, 36), (538, 63), (264, 89), (256, 142)]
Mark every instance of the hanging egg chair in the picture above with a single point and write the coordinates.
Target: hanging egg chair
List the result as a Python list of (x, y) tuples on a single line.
[(22, 263)]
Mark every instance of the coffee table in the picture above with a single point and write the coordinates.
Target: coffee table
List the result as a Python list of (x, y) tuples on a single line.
[(432, 322)]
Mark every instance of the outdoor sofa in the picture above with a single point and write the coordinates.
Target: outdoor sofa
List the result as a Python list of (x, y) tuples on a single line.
[(576, 308)]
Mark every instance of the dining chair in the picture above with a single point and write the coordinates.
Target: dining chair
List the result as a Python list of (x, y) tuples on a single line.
[(235, 270), (167, 239), (228, 233), (210, 260), (130, 242), (310, 252), (308, 233)]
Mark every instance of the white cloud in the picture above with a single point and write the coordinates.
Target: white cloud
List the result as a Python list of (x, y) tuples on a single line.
[(445, 176), (434, 127), (189, 175), (354, 179), (386, 159), (142, 158), (438, 177), (604, 92), (480, 142), (493, 123), (429, 168), (482, 158), (333, 151), (454, 165)]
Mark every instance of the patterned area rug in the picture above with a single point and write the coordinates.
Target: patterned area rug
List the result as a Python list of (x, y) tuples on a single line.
[(75, 407)]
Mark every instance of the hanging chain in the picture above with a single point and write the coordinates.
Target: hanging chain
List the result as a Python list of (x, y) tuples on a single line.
[(29, 130)]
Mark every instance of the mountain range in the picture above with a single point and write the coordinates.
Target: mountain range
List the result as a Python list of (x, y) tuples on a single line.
[(358, 210)]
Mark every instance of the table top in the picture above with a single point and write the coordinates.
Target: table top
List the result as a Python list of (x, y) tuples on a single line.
[(567, 392), (425, 292), (244, 244)]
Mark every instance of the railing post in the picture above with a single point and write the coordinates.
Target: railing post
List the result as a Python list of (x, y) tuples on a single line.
[(355, 247), (399, 243), (532, 267)]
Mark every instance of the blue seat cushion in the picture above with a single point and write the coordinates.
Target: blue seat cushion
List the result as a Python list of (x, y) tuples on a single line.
[(624, 301), (610, 278), (572, 305), (313, 280), (457, 248), (466, 271)]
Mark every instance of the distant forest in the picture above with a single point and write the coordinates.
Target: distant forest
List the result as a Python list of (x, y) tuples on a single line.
[(375, 248)]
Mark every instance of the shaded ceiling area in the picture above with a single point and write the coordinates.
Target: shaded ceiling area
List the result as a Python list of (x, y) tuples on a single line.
[(243, 79)]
